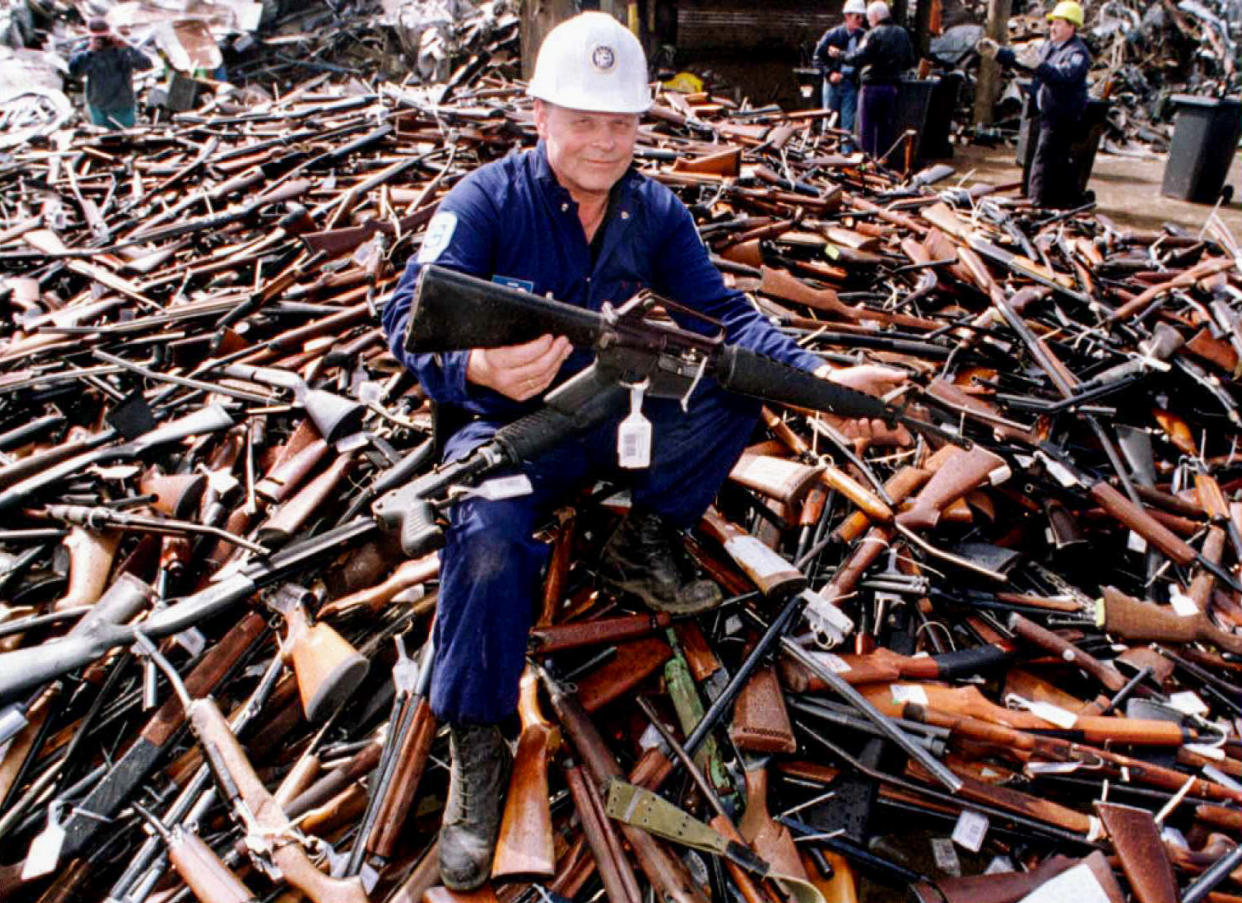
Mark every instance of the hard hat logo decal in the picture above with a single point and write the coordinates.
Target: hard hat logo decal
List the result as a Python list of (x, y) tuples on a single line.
[(602, 58)]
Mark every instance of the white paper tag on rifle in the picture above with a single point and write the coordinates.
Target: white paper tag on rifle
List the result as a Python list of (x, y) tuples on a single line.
[(1077, 884), (903, 693), (1183, 605), (44, 853), (634, 433), (1053, 714), (1136, 543), (1188, 702), (946, 856), (970, 830)]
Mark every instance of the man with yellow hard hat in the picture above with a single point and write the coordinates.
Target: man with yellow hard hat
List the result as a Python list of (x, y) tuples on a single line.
[(1060, 89)]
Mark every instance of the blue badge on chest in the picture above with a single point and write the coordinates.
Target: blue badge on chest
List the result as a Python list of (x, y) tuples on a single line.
[(513, 282)]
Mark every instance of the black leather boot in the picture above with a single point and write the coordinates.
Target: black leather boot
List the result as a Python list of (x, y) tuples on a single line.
[(645, 557), (478, 781)]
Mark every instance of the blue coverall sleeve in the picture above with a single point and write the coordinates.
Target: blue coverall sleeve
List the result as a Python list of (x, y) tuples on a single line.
[(1069, 69), (860, 55), (139, 60), (685, 273), (79, 63), (459, 238), (820, 56)]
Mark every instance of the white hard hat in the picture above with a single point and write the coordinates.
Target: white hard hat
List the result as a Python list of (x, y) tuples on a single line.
[(592, 62), (855, 6)]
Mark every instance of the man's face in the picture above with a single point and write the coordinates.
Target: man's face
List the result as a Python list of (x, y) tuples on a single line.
[(1060, 31), (853, 21), (588, 152)]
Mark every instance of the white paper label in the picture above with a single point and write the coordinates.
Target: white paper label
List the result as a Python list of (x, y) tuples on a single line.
[(634, 435), (1077, 884), (903, 693), (1188, 702), (833, 663), (753, 556), (970, 830), (1183, 604), (1000, 865), (499, 488), (192, 641), (1053, 714), (44, 853), (946, 856), (1208, 752), (1136, 543), (1035, 769)]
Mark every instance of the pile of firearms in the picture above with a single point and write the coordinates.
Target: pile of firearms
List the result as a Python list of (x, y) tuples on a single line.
[(993, 659)]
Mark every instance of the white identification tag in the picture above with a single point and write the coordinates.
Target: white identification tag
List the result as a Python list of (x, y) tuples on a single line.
[(191, 640), (970, 830), (634, 433), (946, 856), (498, 488), (903, 693), (1188, 702), (44, 853), (1053, 714), (1183, 605), (1136, 543)]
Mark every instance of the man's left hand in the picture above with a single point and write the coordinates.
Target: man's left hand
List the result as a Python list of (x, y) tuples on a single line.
[(874, 379)]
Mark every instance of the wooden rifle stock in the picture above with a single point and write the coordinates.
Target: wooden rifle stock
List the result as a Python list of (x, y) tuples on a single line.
[(1136, 838), (176, 495), (1137, 519), (560, 637), (1204, 582), (969, 701), (524, 846), (327, 667), (285, 523), (90, 561), (1005, 888), (760, 719), (1127, 617), (1110, 678), (410, 573), (411, 762), (771, 841), (666, 873), (777, 478), (961, 473), (620, 883), (775, 577), (900, 486), (558, 566), (634, 662)]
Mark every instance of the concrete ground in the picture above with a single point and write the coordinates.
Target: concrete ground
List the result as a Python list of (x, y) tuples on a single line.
[(1126, 189)]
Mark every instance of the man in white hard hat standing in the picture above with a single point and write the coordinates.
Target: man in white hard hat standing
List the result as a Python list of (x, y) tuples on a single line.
[(570, 218), (841, 79), (1060, 89), (884, 54)]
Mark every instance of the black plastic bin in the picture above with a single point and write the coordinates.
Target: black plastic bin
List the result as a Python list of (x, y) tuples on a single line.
[(1083, 151), (914, 97), (1205, 138), (934, 143)]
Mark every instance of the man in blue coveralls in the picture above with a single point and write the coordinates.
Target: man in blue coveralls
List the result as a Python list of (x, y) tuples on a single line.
[(108, 63), (840, 79), (1059, 85), (569, 218)]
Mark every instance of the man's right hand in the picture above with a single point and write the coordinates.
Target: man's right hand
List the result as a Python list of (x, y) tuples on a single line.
[(519, 371), (834, 78)]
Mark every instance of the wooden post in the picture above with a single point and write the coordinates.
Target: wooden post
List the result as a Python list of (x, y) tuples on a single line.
[(538, 18), (988, 87)]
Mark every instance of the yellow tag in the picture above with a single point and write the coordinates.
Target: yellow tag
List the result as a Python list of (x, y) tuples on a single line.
[(831, 252)]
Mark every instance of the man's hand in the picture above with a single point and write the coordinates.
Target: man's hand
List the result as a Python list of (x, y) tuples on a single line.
[(987, 47), (834, 52), (873, 379), (519, 371), (834, 78)]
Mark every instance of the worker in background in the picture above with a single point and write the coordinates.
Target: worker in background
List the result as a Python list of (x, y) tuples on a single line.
[(1060, 90), (572, 218), (108, 63), (841, 80), (881, 58)]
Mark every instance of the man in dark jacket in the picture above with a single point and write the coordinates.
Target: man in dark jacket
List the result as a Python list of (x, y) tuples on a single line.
[(884, 54), (1060, 90), (108, 63), (840, 80)]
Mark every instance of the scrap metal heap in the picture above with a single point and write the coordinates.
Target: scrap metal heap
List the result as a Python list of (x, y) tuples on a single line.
[(998, 662)]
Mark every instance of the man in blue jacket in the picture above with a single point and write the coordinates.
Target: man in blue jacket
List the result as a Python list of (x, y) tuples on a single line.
[(573, 219), (108, 64), (1060, 90), (840, 79)]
